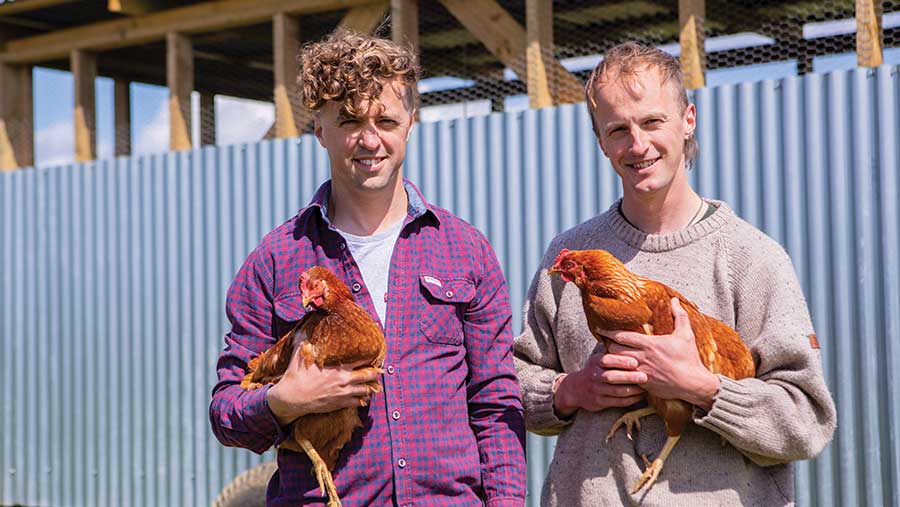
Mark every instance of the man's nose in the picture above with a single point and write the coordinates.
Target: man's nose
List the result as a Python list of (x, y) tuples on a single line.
[(369, 138), (640, 141)]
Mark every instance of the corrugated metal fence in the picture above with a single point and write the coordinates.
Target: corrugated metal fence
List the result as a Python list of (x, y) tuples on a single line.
[(114, 275)]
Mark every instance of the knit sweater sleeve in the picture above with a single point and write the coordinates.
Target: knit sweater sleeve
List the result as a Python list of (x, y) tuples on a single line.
[(536, 354), (786, 412)]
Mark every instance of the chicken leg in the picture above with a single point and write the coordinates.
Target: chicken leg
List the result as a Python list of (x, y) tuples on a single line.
[(653, 469), (326, 483), (630, 419)]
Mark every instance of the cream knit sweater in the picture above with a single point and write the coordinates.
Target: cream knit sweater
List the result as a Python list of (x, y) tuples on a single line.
[(739, 453)]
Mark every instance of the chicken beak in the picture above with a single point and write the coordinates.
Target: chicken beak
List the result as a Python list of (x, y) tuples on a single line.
[(305, 301)]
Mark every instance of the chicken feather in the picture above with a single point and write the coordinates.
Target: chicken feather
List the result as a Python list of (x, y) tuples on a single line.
[(615, 298), (334, 332)]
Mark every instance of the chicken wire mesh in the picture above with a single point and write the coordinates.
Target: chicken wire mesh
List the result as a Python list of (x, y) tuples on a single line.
[(233, 68)]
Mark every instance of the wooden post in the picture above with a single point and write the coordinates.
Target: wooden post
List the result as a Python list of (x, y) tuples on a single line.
[(869, 35), (502, 35), (16, 117), (286, 46), (122, 106), (405, 23), (84, 73), (207, 119), (693, 53), (180, 78), (539, 52)]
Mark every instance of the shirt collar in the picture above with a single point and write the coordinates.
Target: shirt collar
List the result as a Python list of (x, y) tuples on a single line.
[(417, 206)]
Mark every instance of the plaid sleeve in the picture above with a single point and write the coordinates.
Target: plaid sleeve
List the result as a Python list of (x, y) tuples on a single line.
[(242, 418), (495, 409)]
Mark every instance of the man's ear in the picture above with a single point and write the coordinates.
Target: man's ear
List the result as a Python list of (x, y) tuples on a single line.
[(317, 128)]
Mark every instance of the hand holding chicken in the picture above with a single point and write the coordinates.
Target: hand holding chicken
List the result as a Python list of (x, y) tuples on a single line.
[(622, 308), (323, 370)]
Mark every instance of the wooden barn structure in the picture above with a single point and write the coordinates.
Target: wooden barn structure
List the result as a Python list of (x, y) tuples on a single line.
[(248, 48)]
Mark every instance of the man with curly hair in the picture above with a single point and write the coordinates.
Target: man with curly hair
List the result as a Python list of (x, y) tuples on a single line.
[(448, 428)]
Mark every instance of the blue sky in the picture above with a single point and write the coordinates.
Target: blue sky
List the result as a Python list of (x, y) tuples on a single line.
[(240, 120)]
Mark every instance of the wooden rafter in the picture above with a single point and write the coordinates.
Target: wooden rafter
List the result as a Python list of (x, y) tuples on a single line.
[(693, 54), (84, 73), (135, 7), (202, 17), (506, 39), (9, 8)]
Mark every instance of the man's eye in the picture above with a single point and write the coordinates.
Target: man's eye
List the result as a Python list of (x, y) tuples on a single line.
[(387, 122), (348, 121)]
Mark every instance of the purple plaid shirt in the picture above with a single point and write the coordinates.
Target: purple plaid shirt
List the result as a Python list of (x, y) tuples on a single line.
[(448, 429)]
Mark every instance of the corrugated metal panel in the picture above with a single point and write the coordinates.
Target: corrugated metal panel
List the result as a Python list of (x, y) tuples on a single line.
[(114, 275)]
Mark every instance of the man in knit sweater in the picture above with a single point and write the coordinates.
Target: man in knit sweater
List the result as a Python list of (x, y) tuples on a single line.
[(663, 230)]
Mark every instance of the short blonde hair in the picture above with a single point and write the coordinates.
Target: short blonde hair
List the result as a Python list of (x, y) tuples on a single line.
[(624, 61), (352, 68)]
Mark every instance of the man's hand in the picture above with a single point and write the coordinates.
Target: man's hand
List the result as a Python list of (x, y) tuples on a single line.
[(309, 390), (671, 362), (607, 380)]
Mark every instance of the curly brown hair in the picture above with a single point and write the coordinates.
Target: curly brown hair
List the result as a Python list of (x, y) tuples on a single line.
[(624, 61), (352, 68)]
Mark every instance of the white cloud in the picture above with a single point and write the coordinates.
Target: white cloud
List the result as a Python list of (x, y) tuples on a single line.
[(154, 136), (55, 144), (242, 120)]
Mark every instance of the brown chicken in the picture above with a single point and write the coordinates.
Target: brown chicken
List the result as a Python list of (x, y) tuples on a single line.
[(334, 331), (616, 299)]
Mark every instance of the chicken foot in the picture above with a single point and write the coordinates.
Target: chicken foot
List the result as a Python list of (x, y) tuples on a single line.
[(630, 419), (653, 469), (326, 483)]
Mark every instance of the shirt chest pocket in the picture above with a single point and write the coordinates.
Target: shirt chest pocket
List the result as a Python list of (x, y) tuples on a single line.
[(446, 303), (288, 312)]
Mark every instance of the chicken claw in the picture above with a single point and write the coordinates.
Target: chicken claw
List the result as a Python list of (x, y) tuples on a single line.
[(630, 419), (653, 469), (323, 476)]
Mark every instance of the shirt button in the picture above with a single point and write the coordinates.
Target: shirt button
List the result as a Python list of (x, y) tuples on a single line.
[(390, 369), (449, 293), (343, 245), (356, 287), (401, 462), (395, 414)]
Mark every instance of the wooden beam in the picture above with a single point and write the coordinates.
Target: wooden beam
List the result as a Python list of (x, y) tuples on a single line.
[(539, 53), (135, 7), (506, 40), (122, 112), (286, 46), (84, 73), (201, 17), (180, 79), (16, 117), (207, 119), (693, 53), (869, 35), (365, 18), (8, 8), (405, 23)]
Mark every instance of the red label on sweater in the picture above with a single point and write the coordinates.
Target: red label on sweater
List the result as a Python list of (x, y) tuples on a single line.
[(813, 341)]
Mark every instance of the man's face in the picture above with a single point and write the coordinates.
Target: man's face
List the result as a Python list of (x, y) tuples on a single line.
[(367, 152), (642, 130)]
